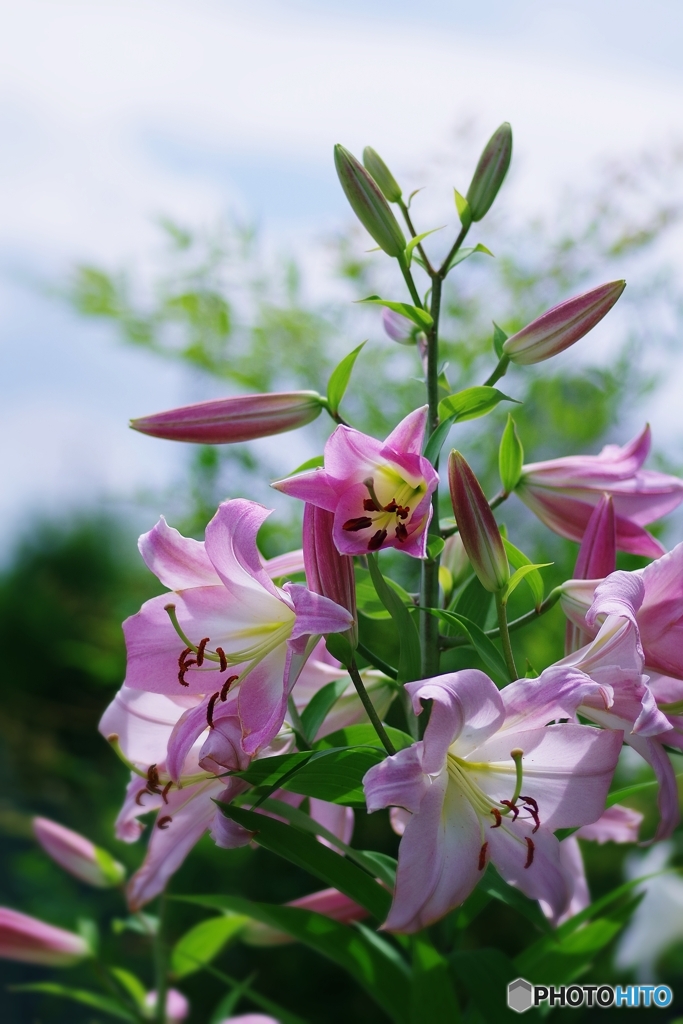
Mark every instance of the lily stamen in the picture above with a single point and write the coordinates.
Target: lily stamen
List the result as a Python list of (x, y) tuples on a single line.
[(482, 856), (164, 822), (209, 708), (200, 650), (530, 852)]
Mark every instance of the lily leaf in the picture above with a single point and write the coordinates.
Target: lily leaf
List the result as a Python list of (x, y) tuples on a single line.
[(339, 380), (419, 316)]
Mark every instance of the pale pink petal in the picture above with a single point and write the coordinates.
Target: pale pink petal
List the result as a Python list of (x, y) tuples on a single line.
[(613, 463), (231, 546), (137, 801), (567, 770), (621, 594), (571, 863), (409, 435), (191, 811), (398, 819), (315, 487), (616, 824), (598, 552), (289, 564), (467, 705), (439, 859), (335, 818), (178, 561), (143, 723), (544, 879), (398, 780), (557, 693), (315, 614), (262, 701), (349, 458), (222, 747), (227, 834)]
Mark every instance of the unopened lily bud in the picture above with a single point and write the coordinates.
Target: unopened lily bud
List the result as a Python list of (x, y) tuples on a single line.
[(454, 558), (229, 420), (490, 173), (78, 855), (328, 573), (477, 526), (32, 941), (328, 902), (399, 328), (177, 1007), (368, 203), (562, 325), (375, 166)]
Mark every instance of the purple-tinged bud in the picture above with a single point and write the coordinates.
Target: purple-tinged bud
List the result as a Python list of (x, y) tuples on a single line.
[(327, 571), (375, 166), (328, 902), (400, 328), (561, 326), (490, 173), (78, 855), (177, 1007), (368, 203), (32, 941), (477, 526), (229, 420), (597, 559)]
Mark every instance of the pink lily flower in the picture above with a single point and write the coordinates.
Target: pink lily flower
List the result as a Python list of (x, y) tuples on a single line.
[(615, 659), (491, 781), (658, 607), (563, 492), (597, 558), (227, 627), (32, 941), (327, 572), (78, 855), (177, 1007), (250, 1018), (238, 418), (328, 902), (379, 491)]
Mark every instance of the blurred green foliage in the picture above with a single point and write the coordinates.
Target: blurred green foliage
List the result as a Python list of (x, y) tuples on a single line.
[(232, 312)]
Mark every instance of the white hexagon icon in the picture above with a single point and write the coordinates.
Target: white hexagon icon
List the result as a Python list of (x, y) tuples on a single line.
[(520, 995)]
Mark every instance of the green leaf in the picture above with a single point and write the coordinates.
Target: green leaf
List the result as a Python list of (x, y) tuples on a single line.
[(485, 647), (105, 1004), (336, 775), (229, 1002), (416, 241), (132, 984), (339, 380), (464, 254), (317, 709), (432, 995), (113, 872), (362, 735), (367, 600), (524, 572), (268, 771), (627, 791), (315, 463), (463, 208), (143, 924), (471, 403), (498, 888), (340, 648), (243, 988), (306, 852), (409, 641), (435, 546), (474, 602), (436, 441), (379, 974), (518, 560), (510, 456), (202, 943), (499, 339), (485, 975), (419, 316)]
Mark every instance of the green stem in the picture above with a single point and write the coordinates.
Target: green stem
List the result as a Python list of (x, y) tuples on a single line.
[(376, 661), (160, 962), (524, 620), (443, 270), (409, 281), (406, 216), (505, 636), (499, 371), (297, 725), (370, 708)]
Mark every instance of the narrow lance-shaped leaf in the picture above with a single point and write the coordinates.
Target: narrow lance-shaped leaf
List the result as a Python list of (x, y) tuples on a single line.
[(339, 380), (510, 457), (419, 316)]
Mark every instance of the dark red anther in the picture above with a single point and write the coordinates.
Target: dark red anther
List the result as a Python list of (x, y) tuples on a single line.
[(532, 807), (377, 539), (498, 816), (209, 709), (226, 686), (530, 852), (165, 790), (354, 525), (392, 506), (183, 655), (402, 511), (401, 532), (482, 856), (224, 661), (513, 807), (200, 651), (164, 821), (152, 779), (138, 798), (183, 670), (370, 506)]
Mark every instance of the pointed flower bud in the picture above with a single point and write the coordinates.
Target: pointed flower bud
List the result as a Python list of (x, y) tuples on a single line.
[(477, 525), (368, 203), (328, 902), (399, 328), (327, 571), (490, 173), (597, 559), (561, 326), (239, 418), (78, 855), (32, 941), (375, 166), (454, 558)]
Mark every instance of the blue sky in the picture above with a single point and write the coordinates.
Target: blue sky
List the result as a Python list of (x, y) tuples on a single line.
[(114, 112)]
